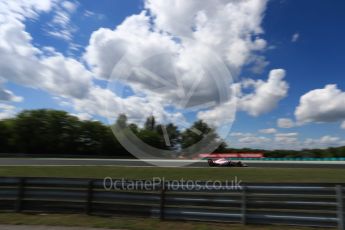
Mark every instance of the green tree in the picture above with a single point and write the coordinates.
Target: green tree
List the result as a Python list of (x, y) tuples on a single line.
[(152, 138), (121, 121), (111, 146), (46, 131), (91, 138), (7, 135), (150, 123), (197, 132), (222, 148), (134, 128), (173, 134)]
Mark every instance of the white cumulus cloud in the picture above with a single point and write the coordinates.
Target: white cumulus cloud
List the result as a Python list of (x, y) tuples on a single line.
[(254, 139), (268, 131), (7, 111), (61, 25), (266, 95), (230, 27), (9, 96), (23, 63), (285, 123), (284, 141), (324, 142), (286, 138), (189, 35), (322, 105)]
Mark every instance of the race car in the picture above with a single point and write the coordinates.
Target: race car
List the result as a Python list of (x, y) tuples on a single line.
[(222, 162)]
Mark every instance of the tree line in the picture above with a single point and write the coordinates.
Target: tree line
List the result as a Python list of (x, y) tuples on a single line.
[(56, 132), (52, 132), (285, 153)]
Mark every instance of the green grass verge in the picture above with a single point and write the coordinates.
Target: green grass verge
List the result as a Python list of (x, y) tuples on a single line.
[(244, 174), (126, 223)]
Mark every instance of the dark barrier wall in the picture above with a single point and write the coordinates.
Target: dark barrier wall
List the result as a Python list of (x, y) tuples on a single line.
[(320, 205)]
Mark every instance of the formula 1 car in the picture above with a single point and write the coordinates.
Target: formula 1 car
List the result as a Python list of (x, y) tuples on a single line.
[(222, 162)]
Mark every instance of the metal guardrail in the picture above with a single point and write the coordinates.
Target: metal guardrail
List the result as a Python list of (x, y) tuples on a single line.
[(318, 205)]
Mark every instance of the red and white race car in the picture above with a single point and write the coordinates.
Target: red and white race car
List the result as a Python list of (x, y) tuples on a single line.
[(222, 162)]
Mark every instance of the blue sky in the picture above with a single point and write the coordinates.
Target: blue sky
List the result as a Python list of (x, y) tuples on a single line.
[(286, 58)]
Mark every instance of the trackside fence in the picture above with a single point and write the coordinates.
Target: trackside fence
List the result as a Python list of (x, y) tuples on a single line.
[(318, 205)]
